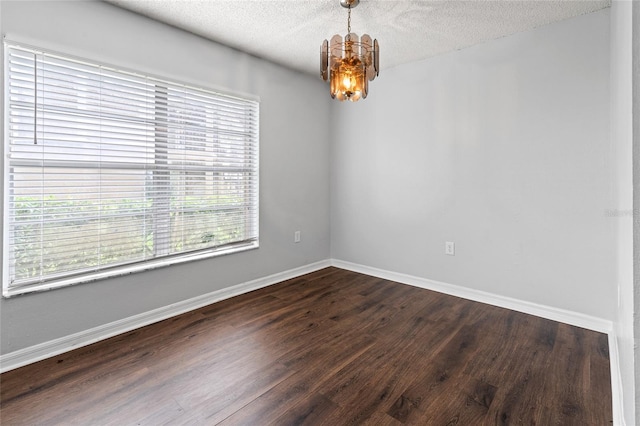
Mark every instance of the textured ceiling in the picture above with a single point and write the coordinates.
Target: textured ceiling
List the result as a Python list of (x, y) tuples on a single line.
[(289, 32)]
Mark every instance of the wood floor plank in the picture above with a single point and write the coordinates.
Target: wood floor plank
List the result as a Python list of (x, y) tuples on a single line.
[(227, 398), (439, 378), (465, 402), (329, 348), (309, 411), (329, 356)]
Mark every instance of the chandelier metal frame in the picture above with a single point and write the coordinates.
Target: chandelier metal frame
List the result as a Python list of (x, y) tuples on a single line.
[(348, 65)]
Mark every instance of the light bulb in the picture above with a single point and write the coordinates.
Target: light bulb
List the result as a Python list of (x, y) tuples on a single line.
[(346, 82)]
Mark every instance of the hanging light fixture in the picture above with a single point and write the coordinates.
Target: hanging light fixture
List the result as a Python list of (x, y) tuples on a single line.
[(349, 65)]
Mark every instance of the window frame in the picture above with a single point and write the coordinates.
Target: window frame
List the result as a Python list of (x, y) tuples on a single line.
[(109, 271)]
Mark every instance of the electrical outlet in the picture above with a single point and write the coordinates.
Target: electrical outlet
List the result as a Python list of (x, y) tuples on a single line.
[(450, 248), (296, 237)]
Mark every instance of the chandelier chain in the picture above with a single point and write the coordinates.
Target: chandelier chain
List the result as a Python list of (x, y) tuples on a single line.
[(349, 21)]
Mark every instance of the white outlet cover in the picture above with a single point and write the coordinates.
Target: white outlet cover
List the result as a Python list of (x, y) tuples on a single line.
[(450, 248)]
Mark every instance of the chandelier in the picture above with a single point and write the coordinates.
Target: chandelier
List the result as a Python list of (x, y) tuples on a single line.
[(349, 65)]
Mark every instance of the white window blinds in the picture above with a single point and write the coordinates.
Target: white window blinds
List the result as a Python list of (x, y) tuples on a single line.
[(108, 172)]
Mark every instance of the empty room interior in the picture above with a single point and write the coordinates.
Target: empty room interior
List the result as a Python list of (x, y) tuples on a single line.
[(250, 212)]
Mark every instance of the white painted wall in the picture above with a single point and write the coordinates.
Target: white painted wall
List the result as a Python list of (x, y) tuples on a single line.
[(636, 196), (294, 181), (503, 148), (622, 155)]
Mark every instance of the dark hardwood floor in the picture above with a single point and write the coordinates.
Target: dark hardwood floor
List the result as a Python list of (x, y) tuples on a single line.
[(329, 348)]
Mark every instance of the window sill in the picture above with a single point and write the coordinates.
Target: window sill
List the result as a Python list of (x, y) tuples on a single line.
[(118, 271)]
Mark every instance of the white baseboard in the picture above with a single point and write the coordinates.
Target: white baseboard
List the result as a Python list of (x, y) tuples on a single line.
[(548, 312), (555, 314), (55, 347), (616, 381)]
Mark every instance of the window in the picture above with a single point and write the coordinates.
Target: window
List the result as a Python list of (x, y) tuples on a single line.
[(109, 172)]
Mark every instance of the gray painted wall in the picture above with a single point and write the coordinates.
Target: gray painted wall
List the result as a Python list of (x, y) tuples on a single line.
[(502, 148), (294, 181)]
